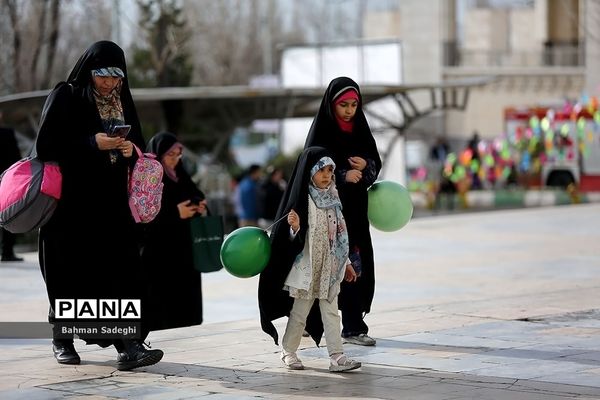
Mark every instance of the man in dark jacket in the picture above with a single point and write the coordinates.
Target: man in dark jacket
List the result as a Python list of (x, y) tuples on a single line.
[(9, 154)]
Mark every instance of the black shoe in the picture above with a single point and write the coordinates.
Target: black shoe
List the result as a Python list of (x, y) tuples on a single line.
[(11, 258), (64, 352), (135, 355)]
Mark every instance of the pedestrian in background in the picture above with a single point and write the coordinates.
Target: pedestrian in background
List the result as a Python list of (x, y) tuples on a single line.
[(473, 149), (439, 151), (248, 197), (175, 287), (341, 127), (9, 154), (270, 192)]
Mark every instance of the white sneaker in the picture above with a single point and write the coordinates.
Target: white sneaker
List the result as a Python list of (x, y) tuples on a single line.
[(341, 363), (291, 361), (362, 340)]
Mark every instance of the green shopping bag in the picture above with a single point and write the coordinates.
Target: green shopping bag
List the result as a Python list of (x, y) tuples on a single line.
[(207, 238)]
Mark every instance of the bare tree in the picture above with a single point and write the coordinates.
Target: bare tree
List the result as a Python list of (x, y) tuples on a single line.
[(53, 35), (11, 6), (41, 38), (328, 21), (224, 43), (232, 37), (78, 31), (28, 21), (37, 42)]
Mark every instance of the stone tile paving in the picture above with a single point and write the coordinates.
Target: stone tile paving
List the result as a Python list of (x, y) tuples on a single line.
[(451, 323)]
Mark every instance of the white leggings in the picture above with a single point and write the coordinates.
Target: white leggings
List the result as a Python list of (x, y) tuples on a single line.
[(297, 322)]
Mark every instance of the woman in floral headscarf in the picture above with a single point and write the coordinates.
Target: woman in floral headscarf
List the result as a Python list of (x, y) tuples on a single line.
[(89, 248)]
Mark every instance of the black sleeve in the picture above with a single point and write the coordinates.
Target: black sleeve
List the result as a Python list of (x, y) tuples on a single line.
[(49, 142), (370, 173), (57, 139), (340, 176)]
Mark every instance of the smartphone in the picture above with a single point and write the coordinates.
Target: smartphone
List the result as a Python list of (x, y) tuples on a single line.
[(195, 200), (120, 131)]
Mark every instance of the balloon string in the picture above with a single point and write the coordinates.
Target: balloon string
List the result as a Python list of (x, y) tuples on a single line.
[(275, 223)]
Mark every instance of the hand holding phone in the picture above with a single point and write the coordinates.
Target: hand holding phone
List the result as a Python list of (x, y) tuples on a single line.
[(195, 200), (120, 131)]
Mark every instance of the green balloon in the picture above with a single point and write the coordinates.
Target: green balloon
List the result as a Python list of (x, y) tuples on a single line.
[(390, 207), (246, 252)]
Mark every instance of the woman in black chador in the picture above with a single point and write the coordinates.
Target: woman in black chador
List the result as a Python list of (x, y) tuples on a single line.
[(341, 127), (89, 248), (175, 285)]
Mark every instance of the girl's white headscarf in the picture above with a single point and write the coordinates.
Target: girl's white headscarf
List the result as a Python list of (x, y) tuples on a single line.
[(329, 199)]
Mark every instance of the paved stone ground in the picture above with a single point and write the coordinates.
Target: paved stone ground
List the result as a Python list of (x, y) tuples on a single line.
[(509, 198), (489, 305)]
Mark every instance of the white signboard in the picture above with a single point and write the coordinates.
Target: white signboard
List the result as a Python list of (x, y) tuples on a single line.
[(366, 63)]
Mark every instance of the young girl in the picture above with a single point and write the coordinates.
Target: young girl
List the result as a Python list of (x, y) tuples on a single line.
[(341, 127), (309, 260)]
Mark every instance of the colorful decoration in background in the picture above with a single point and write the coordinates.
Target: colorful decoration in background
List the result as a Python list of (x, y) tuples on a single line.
[(534, 137), (558, 136)]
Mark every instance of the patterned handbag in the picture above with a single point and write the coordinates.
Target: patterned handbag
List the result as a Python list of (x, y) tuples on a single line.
[(145, 187)]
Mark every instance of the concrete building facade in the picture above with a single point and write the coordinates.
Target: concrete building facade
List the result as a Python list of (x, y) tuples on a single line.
[(541, 52)]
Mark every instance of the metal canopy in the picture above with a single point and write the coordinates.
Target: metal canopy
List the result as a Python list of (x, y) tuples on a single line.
[(225, 107)]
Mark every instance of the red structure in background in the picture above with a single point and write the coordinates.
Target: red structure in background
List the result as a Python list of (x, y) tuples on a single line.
[(557, 146)]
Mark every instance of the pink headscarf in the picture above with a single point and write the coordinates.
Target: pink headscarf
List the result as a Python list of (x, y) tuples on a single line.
[(349, 94)]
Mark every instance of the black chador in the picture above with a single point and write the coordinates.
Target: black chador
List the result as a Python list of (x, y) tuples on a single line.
[(346, 140)]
